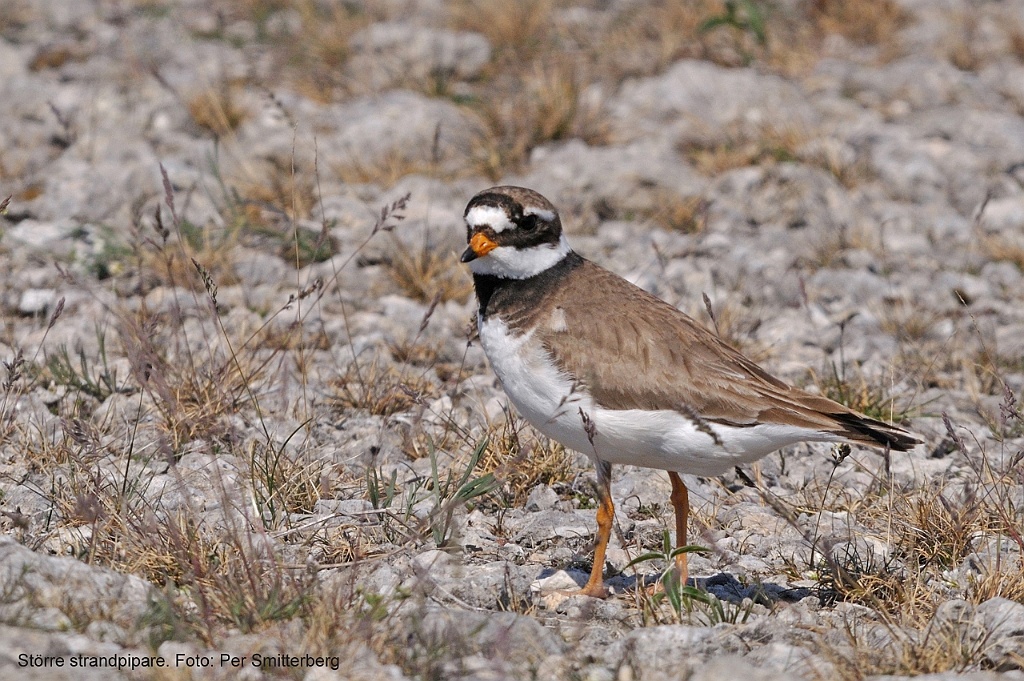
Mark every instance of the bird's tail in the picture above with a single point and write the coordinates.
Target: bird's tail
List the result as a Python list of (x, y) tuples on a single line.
[(874, 433)]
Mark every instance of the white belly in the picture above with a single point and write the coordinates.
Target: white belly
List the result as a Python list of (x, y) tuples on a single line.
[(663, 439)]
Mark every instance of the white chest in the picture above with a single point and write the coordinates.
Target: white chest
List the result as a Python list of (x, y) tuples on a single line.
[(542, 394), (662, 439)]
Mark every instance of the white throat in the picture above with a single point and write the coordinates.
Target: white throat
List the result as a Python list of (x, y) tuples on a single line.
[(507, 262)]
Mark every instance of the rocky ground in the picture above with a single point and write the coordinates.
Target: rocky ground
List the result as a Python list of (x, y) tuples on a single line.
[(242, 415)]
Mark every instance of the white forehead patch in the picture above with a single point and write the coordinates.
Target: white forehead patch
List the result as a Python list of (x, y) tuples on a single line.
[(492, 216), (543, 213)]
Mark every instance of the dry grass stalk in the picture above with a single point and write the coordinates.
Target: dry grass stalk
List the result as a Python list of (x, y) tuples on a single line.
[(869, 22), (742, 148), (854, 390), (312, 58), (1002, 247), (521, 460), (941, 646), (670, 210), (736, 324), (424, 273), (194, 375), (646, 41), (217, 109), (520, 28), (385, 169), (381, 388), (529, 107), (908, 322)]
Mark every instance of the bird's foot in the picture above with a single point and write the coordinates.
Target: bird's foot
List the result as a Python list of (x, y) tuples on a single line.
[(553, 599), (594, 590)]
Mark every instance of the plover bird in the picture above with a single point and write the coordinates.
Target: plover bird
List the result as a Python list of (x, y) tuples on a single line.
[(607, 369)]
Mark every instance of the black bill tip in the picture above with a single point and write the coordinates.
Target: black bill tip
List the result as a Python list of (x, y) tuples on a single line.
[(468, 255)]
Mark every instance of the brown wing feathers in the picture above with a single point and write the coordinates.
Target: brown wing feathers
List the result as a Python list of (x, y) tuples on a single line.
[(665, 360)]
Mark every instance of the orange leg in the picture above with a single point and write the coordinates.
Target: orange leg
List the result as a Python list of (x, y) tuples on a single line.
[(681, 503), (605, 516)]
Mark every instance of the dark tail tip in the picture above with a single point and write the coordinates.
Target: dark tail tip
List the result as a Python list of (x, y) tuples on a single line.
[(878, 433)]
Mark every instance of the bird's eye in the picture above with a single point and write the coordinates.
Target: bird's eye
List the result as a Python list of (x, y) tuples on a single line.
[(528, 223)]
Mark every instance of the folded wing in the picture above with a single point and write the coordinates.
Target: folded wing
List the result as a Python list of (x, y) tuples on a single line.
[(666, 360)]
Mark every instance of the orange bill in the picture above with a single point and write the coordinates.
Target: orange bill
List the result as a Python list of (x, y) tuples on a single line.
[(479, 246)]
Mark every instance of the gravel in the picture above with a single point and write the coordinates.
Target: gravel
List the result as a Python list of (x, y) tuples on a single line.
[(870, 231)]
